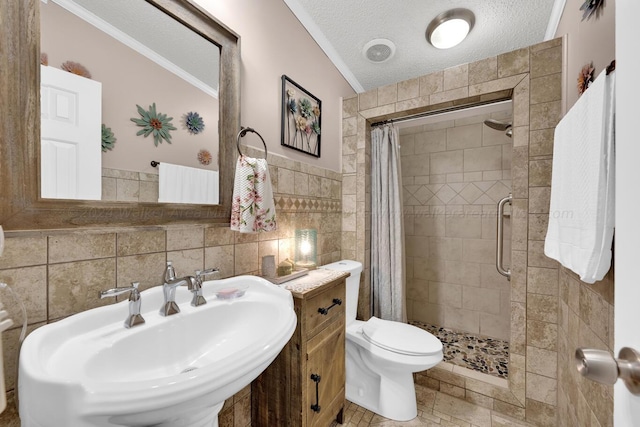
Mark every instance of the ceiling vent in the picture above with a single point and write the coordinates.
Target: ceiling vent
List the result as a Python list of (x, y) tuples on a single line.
[(379, 50)]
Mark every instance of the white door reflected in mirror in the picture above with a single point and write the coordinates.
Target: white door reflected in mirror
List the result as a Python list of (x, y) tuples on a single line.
[(70, 136)]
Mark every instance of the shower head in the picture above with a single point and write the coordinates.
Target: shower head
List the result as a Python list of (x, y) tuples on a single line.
[(495, 124)]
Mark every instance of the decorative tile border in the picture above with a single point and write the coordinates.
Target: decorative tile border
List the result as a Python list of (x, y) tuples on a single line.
[(304, 204)]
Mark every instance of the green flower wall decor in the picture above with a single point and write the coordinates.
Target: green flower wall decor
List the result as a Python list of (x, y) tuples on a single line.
[(108, 138), (154, 123)]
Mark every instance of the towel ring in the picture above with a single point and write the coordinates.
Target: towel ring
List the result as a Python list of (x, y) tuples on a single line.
[(243, 132)]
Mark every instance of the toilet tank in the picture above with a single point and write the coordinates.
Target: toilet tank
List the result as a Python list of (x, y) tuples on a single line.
[(353, 285)]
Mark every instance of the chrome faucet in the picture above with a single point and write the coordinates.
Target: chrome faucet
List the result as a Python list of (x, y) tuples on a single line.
[(169, 290), (134, 318), (171, 283), (198, 299)]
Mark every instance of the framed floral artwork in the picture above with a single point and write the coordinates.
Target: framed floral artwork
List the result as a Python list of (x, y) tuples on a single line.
[(301, 118)]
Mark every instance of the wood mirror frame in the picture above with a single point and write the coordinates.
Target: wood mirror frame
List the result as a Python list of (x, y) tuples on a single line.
[(21, 207)]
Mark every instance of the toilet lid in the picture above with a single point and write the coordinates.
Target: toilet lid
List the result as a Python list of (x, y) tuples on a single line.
[(400, 337)]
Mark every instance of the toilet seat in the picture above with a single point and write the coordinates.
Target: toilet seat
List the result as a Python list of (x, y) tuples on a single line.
[(400, 338)]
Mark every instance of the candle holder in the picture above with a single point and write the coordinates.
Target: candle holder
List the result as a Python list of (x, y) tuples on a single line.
[(306, 248)]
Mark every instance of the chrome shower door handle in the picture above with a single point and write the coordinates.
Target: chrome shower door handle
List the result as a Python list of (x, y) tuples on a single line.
[(600, 366), (500, 237)]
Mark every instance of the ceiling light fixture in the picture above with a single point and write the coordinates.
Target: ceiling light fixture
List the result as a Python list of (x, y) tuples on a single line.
[(450, 28)]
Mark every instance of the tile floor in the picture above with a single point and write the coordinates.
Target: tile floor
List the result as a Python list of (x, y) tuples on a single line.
[(435, 409), (483, 354)]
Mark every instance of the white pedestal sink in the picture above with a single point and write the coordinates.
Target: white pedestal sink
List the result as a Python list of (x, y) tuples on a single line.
[(89, 370)]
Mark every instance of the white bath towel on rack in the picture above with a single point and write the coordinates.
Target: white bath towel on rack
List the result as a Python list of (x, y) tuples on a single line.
[(253, 209), (581, 215), (183, 184)]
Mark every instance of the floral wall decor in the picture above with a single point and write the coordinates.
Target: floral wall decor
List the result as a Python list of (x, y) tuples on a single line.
[(108, 138), (585, 77), (301, 114), (76, 68), (194, 123), (154, 123), (204, 157), (591, 7)]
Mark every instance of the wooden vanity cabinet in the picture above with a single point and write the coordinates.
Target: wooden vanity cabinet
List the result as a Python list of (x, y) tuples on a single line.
[(285, 393)]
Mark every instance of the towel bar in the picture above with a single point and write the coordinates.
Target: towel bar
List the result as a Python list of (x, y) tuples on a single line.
[(243, 132)]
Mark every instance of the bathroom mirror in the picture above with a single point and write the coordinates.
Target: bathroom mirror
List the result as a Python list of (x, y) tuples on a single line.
[(21, 207)]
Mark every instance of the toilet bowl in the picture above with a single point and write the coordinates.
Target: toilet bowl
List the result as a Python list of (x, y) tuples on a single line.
[(382, 356)]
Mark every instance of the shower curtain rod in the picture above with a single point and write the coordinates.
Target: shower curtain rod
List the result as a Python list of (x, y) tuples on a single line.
[(436, 112)]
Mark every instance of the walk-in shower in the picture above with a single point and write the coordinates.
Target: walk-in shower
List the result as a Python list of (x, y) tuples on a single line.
[(456, 167)]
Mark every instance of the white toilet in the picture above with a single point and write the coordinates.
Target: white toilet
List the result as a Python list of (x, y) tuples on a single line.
[(382, 356)]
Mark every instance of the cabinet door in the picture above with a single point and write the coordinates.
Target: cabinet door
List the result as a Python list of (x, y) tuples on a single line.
[(326, 359)]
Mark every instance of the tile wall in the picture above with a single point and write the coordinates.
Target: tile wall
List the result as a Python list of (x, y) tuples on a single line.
[(585, 320), (454, 172), (128, 186), (533, 78), (57, 274)]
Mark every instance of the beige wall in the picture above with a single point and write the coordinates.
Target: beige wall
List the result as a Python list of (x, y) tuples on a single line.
[(535, 75), (589, 41), (453, 173), (275, 43), (129, 79), (585, 311), (59, 274)]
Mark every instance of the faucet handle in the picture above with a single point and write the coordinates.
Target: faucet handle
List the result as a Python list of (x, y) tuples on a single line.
[(133, 289), (200, 274), (198, 298), (169, 272), (134, 318)]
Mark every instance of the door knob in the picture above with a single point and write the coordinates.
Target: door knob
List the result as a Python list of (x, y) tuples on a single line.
[(600, 366)]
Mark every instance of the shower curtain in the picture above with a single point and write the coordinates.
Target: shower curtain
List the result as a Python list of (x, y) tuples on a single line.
[(387, 234)]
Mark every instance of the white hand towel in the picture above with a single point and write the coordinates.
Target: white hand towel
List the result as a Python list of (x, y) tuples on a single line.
[(581, 215), (183, 184), (253, 209)]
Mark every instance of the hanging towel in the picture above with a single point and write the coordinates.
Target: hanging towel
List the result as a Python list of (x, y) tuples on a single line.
[(183, 184), (252, 209), (581, 215)]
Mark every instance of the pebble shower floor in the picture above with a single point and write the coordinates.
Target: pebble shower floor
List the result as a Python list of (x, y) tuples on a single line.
[(483, 354)]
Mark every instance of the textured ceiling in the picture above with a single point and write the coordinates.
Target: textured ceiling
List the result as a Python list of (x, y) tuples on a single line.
[(343, 27), (160, 33)]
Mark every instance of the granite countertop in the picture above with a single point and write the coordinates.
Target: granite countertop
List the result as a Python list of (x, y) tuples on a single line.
[(314, 279)]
